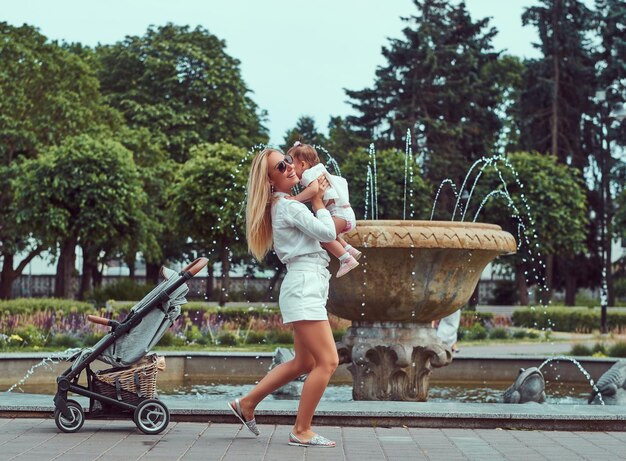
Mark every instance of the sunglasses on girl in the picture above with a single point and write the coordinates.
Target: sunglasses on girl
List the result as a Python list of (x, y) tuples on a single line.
[(282, 165)]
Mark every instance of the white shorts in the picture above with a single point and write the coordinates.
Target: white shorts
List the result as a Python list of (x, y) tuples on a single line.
[(343, 212), (304, 291)]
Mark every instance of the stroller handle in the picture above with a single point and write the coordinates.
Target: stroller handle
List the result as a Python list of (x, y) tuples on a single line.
[(100, 320), (196, 266)]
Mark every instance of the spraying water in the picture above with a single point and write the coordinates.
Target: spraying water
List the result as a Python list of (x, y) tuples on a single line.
[(580, 367), (53, 359)]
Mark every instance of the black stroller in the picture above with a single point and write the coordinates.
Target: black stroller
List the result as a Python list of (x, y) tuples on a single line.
[(129, 387)]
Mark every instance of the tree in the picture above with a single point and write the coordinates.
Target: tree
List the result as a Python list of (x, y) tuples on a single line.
[(14, 238), (603, 134), (558, 85), (182, 86), (343, 139), (47, 94), (207, 202), (557, 90), (305, 131), (390, 181), (87, 193), (438, 83), (162, 242), (547, 212)]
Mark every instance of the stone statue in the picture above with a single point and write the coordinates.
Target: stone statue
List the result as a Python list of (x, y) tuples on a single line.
[(294, 388), (528, 387), (612, 386)]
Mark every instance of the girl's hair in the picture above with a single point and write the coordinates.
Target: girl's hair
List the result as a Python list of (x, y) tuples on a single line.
[(304, 152), (258, 207)]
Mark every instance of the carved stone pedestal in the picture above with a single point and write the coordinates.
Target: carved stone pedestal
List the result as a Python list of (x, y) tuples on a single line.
[(392, 360)]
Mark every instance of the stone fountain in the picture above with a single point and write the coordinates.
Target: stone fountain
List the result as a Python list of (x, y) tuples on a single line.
[(411, 273)]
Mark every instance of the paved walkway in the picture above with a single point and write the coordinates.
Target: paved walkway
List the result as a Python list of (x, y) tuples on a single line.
[(39, 440)]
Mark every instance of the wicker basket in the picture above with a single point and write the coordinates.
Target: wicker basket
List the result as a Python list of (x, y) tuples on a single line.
[(132, 384)]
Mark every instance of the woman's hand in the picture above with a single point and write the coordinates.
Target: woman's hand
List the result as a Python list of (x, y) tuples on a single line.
[(321, 185), (317, 201)]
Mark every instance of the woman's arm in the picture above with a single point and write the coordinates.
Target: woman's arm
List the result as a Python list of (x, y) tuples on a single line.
[(307, 194), (320, 227)]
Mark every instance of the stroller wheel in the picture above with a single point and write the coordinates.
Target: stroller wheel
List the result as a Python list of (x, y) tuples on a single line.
[(151, 416), (74, 423)]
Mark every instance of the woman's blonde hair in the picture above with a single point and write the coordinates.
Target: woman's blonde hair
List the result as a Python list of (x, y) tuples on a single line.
[(258, 207)]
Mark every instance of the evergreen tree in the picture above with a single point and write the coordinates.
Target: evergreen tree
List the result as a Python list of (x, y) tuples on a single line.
[(604, 135), (558, 87), (342, 139), (557, 93), (305, 131), (438, 83)]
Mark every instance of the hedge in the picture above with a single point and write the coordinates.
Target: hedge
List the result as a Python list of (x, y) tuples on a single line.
[(33, 305), (28, 306), (572, 319)]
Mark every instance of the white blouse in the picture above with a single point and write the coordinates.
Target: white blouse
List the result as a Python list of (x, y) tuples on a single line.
[(296, 231)]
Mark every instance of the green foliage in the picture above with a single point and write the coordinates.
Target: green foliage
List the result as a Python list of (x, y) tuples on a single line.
[(390, 168), (193, 334), (169, 339), (476, 332), (499, 333), (438, 82), (306, 132), (91, 339), (469, 318), (599, 348), (227, 338), (277, 336), (617, 350), (29, 306), (180, 84), (88, 192), (580, 350), (552, 193), (558, 86), (519, 334), (31, 336), (578, 320), (124, 290), (64, 341), (206, 201), (75, 197), (46, 94), (255, 337), (338, 334)]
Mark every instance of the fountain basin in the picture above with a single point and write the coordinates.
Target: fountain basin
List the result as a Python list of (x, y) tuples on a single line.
[(414, 271)]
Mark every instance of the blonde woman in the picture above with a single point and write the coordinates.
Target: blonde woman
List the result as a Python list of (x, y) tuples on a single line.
[(295, 235)]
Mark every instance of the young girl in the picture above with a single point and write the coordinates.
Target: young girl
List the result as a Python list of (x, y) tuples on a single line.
[(308, 168)]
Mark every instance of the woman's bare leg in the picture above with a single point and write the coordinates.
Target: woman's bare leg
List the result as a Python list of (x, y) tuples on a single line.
[(284, 373), (317, 338)]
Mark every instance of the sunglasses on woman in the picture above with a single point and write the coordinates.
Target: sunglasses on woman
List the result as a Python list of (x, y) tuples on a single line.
[(282, 165)]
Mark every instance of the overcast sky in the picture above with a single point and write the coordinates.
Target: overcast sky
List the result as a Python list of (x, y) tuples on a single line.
[(296, 56)]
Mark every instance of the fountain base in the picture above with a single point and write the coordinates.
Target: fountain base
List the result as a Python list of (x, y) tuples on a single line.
[(392, 360)]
